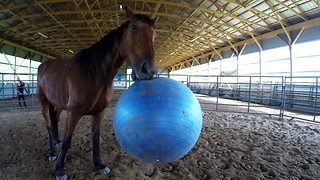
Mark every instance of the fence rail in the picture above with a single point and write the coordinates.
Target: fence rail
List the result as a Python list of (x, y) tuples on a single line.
[(292, 97)]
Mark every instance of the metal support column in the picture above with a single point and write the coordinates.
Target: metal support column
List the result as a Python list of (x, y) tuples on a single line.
[(283, 97), (316, 99), (33, 90), (249, 98), (217, 93), (188, 81)]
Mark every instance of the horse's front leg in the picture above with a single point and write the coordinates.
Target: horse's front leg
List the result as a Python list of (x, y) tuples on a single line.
[(71, 122), (95, 125)]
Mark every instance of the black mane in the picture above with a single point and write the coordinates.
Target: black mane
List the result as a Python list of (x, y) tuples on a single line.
[(94, 60)]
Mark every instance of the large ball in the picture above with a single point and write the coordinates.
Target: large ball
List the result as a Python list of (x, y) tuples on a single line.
[(157, 121)]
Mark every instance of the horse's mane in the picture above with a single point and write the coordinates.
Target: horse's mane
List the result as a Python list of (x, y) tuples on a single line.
[(94, 61)]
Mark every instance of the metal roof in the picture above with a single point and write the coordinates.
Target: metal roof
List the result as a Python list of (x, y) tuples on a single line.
[(187, 30)]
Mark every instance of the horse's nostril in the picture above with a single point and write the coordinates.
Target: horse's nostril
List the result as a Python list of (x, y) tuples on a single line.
[(144, 68)]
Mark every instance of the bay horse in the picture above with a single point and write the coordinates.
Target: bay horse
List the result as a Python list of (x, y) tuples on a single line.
[(82, 85)]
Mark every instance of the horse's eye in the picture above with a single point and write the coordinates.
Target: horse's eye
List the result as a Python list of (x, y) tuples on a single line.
[(133, 27)]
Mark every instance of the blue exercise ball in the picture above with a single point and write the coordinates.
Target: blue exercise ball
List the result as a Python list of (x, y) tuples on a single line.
[(157, 121)]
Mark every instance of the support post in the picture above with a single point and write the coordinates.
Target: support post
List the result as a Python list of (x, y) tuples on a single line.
[(283, 97), (188, 81), (217, 93), (316, 99), (249, 99), (33, 90), (290, 51)]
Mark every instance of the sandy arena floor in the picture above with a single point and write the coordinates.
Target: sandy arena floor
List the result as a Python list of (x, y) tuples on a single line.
[(231, 146)]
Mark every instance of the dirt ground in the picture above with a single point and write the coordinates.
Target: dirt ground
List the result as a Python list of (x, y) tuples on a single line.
[(231, 146)]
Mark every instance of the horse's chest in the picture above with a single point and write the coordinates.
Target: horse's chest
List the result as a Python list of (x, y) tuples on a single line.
[(101, 101)]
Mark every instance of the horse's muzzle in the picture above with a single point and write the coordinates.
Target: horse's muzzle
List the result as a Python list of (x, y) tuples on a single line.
[(146, 71)]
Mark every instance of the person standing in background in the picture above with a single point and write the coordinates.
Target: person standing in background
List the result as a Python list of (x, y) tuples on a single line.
[(20, 89)]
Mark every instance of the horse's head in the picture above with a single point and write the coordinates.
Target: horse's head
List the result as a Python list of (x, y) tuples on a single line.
[(137, 45)]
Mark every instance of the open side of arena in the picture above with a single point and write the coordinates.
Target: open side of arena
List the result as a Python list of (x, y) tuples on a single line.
[(280, 96)]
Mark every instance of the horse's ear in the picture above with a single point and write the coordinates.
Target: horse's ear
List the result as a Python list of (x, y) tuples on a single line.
[(155, 20), (129, 11)]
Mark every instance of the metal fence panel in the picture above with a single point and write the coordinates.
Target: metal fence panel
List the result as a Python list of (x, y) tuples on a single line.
[(285, 97)]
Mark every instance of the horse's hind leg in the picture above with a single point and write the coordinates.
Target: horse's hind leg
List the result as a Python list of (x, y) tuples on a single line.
[(45, 113), (58, 141), (55, 117), (95, 125)]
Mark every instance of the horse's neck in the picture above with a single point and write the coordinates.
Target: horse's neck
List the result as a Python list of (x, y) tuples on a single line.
[(112, 68), (112, 59), (117, 63)]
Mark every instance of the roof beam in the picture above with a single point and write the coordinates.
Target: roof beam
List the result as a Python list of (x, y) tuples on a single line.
[(298, 36), (25, 48), (304, 24), (291, 9), (255, 40), (234, 48), (280, 20), (62, 25), (317, 2)]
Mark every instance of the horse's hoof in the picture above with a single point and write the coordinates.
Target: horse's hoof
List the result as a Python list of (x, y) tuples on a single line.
[(64, 177), (52, 158), (105, 170), (59, 144)]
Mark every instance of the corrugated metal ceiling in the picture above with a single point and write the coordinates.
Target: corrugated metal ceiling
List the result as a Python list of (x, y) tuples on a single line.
[(187, 30)]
